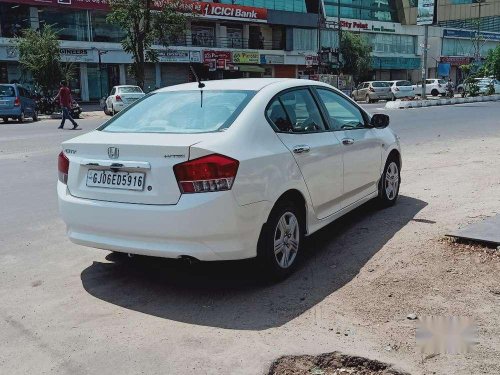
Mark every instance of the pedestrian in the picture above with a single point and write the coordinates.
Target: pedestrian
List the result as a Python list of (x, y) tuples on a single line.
[(65, 101)]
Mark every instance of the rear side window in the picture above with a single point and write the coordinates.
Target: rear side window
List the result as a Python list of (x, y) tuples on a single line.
[(130, 90), (276, 113), (184, 112), (380, 84), (7, 91), (403, 83)]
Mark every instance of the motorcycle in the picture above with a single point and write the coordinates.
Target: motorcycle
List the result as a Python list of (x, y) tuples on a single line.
[(45, 105), (450, 92)]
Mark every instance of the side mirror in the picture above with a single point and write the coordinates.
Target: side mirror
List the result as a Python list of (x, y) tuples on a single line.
[(380, 121)]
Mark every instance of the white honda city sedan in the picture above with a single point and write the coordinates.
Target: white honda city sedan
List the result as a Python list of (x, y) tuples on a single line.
[(233, 170), (120, 97)]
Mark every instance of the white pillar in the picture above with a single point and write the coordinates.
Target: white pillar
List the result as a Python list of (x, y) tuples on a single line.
[(217, 34), (222, 38), (246, 36), (34, 20), (84, 82), (157, 75), (123, 74)]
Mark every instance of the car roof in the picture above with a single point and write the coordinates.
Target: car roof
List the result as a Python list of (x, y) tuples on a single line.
[(250, 84), (119, 86)]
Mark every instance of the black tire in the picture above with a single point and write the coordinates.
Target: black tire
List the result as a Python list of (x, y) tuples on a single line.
[(386, 198), (393, 98), (21, 118), (112, 110), (35, 116), (367, 99), (271, 262), (434, 92), (5, 119)]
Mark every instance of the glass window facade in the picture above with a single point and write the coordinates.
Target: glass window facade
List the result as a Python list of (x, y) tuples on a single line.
[(13, 18), (392, 44), (289, 5), (103, 31), (465, 47), (69, 24), (307, 39), (375, 10)]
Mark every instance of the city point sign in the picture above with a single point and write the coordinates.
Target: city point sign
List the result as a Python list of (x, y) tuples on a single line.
[(201, 9)]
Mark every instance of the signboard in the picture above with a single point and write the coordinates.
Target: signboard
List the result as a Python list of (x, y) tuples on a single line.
[(456, 60), (395, 62), (217, 59), (76, 55), (312, 60), (425, 12), (179, 56), (202, 9), (469, 34), (272, 59), (357, 25), (244, 57)]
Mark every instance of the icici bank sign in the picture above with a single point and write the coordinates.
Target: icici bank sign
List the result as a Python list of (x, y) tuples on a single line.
[(233, 12)]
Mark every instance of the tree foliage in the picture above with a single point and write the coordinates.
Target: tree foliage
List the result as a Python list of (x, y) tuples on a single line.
[(144, 25), (40, 56), (355, 51), (491, 66)]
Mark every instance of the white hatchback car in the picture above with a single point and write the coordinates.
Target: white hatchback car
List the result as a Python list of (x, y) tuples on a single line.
[(237, 169), (121, 97)]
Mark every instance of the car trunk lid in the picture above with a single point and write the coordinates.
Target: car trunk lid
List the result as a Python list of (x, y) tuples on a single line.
[(151, 156), (129, 98)]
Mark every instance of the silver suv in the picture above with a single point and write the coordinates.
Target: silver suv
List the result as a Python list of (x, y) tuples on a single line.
[(372, 91)]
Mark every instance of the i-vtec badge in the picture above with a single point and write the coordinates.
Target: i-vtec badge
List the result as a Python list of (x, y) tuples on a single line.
[(113, 152), (69, 151)]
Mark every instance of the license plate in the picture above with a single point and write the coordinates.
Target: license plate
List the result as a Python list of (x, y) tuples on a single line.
[(116, 180)]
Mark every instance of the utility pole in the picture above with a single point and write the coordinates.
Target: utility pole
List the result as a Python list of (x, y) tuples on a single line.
[(424, 65)]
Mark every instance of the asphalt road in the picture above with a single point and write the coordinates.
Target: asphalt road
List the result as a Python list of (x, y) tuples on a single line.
[(69, 309)]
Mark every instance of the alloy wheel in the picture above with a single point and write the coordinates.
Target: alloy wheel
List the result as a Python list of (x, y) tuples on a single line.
[(286, 240), (392, 181)]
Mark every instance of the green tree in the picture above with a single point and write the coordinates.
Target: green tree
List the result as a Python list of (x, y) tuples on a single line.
[(491, 66), (144, 24), (40, 56), (356, 55)]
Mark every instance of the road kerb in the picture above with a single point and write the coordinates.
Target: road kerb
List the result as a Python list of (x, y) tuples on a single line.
[(403, 104)]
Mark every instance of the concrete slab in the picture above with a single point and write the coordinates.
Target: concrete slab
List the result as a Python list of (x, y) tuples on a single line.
[(487, 231)]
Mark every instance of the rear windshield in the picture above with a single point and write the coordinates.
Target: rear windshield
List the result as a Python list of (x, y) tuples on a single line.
[(7, 91), (403, 83), (130, 90), (381, 84), (181, 112)]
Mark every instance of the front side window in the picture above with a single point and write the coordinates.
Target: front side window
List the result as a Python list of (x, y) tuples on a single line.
[(302, 111), (184, 112), (342, 113)]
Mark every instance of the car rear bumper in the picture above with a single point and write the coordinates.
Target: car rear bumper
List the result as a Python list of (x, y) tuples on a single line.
[(10, 112), (208, 227), (404, 94), (376, 96)]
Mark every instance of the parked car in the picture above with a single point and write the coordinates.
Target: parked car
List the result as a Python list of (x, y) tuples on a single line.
[(483, 84), (238, 169), (372, 91), (433, 86), (402, 89), (16, 102), (120, 97)]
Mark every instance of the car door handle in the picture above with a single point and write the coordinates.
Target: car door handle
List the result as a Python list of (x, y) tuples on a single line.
[(299, 149), (347, 141)]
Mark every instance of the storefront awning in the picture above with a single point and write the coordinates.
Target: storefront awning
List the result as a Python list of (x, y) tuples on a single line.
[(251, 68)]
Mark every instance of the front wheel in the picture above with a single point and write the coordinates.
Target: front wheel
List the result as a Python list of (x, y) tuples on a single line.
[(389, 183), (280, 242)]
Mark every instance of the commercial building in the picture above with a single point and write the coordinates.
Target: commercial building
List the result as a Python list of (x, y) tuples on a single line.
[(248, 38)]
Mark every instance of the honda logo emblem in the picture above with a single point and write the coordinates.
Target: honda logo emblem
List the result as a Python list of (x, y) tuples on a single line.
[(113, 152)]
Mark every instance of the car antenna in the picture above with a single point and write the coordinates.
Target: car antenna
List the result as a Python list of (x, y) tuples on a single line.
[(201, 85)]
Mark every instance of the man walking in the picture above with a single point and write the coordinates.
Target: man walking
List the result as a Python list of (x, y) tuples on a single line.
[(65, 100)]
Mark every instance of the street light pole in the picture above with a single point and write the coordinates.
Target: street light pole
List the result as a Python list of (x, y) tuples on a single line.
[(424, 65)]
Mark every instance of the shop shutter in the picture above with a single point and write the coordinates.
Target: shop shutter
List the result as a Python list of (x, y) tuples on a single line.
[(285, 71), (174, 74)]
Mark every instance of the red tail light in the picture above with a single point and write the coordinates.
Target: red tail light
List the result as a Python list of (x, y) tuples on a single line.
[(17, 102), (439, 85), (63, 167), (209, 173), (371, 89), (118, 98)]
